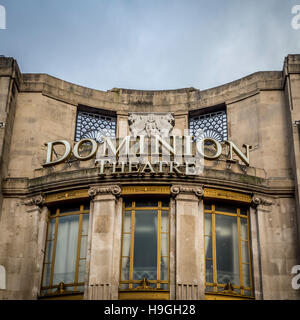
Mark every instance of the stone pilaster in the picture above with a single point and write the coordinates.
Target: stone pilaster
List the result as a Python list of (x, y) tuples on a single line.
[(104, 243), (259, 206), (190, 282), (38, 214)]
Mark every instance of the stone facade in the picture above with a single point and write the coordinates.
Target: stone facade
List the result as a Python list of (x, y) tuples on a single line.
[(263, 110)]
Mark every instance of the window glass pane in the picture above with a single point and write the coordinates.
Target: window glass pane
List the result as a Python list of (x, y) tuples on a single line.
[(247, 293), (146, 203), (127, 221), (51, 229), (208, 224), (47, 274), (209, 271), (145, 245), (224, 207), (227, 250), (49, 250), (66, 249), (164, 269), (164, 244), (80, 289), (208, 247), (209, 289), (246, 274), (124, 286), (164, 286), (125, 265), (245, 251), (85, 224), (126, 245), (83, 247), (164, 221), (125, 262), (48, 291), (244, 229), (81, 270)]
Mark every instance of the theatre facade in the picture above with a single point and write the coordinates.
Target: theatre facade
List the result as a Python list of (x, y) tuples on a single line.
[(167, 195)]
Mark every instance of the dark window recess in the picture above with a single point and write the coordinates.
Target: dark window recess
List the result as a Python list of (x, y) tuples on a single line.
[(90, 125), (209, 125)]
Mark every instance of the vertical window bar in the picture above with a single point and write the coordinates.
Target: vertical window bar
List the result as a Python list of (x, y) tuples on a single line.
[(122, 239), (249, 251), (54, 247), (132, 244), (78, 246), (158, 243), (214, 248), (240, 250)]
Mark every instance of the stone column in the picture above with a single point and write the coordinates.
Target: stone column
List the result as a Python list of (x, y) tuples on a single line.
[(190, 282), (104, 243), (258, 207), (37, 228)]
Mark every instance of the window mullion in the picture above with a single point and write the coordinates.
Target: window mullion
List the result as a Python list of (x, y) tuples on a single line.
[(132, 244), (214, 248), (249, 252), (78, 247), (54, 248), (158, 243), (240, 250)]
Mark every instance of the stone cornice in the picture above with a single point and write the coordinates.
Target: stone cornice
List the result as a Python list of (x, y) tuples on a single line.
[(126, 100), (85, 178), (177, 189)]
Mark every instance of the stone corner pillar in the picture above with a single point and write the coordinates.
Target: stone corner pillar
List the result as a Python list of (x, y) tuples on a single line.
[(259, 206), (104, 243), (190, 281), (38, 216)]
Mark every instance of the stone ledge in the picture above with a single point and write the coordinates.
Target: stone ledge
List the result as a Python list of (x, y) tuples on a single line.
[(89, 177)]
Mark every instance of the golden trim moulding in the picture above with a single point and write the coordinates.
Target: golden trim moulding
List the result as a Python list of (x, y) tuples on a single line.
[(128, 190), (227, 195), (67, 195)]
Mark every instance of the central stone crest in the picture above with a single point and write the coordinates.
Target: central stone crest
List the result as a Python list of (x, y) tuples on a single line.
[(150, 124)]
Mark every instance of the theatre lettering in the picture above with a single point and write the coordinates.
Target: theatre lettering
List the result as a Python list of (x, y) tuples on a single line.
[(181, 155)]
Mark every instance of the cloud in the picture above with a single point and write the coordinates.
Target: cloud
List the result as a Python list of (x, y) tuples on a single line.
[(149, 45)]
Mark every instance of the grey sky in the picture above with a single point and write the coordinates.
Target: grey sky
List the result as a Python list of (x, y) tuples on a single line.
[(149, 44)]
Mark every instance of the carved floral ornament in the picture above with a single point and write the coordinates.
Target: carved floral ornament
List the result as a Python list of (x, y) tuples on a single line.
[(114, 190), (198, 191)]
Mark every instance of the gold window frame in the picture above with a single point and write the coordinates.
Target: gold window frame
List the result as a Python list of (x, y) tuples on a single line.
[(144, 291), (60, 200), (238, 200)]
